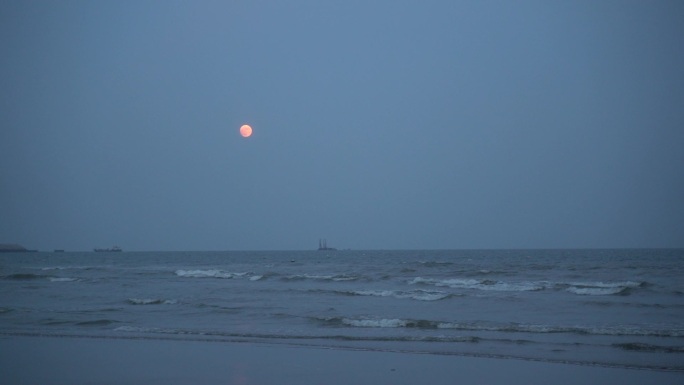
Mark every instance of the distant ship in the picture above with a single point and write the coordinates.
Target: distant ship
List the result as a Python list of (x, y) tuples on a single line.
[(323, 245), (113, 249)]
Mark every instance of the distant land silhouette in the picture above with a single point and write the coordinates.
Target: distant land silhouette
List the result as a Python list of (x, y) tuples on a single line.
[(13, 248)]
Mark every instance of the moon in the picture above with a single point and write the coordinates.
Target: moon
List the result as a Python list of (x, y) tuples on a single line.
[(246, 131)]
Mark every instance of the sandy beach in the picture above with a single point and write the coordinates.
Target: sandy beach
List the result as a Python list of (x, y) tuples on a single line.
[(76, 361)]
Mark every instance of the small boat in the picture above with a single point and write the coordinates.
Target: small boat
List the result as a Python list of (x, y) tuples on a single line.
[(110, 250)]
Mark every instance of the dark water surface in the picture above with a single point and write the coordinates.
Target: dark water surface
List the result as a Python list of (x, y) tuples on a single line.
[(620, 308)]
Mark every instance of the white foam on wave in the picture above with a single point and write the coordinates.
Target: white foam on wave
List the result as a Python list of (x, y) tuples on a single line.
[(375, 323), (208, 274), (374, 293), (63, 279), (128, 329), (513, 327), (513, 286), (505, 328), (337, 278), (137, 329), (580, 288), (467, 283), (595, 290), (617, 330), (607, 284), (420, 295), (151, 301), (601, 288)]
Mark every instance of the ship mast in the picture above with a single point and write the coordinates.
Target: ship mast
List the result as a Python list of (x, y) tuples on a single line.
[(323, 244)]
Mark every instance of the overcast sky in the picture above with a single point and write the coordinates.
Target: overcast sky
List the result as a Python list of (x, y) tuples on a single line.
[(377, 124)]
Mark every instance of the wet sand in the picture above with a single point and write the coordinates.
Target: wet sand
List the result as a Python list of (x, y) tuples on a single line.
[(80, 361)]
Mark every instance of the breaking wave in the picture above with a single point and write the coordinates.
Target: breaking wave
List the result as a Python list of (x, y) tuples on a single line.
[(151, 301), (207, 335), (603, 288), (579, 288), (337, 278), (36, 277), (508, 328), (479, 284), (435, 263), (63, 279), (420, 295), (209, 274)]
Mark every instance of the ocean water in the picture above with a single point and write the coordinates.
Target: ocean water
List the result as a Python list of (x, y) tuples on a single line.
[(622, 308)]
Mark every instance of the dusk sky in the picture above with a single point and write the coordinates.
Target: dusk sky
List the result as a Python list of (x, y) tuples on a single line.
[(377, 124)]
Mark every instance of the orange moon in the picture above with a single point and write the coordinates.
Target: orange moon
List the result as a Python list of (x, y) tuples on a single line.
[(246, 131)]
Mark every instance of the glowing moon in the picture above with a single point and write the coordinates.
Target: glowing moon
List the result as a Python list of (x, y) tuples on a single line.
[(246, 131)]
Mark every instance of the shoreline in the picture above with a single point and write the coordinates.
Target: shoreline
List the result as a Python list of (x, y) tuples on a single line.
[(257, 341), (84, 360)]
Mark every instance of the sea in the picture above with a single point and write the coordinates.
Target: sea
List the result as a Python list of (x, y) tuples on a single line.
[(609, 307)]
